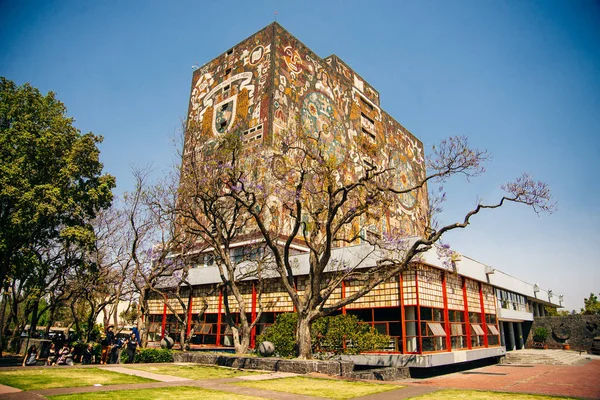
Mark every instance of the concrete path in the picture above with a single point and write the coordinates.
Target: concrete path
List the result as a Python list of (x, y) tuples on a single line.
[(143, 374), (8, 389), (263, 377)]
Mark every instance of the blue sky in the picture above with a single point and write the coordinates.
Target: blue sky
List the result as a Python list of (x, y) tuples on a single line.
[(520, 79)]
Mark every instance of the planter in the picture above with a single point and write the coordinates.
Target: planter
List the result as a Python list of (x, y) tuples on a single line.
[(566, 346), (540, 345)]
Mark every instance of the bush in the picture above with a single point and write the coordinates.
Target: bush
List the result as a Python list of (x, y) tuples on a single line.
[(151, 356), (344, 334), (282, 334), (340, 334), (540, 334)]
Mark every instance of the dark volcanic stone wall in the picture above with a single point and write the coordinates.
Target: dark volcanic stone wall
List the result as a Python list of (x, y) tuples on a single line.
[(580, 330)]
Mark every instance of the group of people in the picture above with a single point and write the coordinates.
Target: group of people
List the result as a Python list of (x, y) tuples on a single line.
[(111, 351), (63, 356), (112, 347)]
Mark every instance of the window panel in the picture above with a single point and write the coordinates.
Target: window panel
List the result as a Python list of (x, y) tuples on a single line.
[(436, 328), (477, 329), (493, 330)]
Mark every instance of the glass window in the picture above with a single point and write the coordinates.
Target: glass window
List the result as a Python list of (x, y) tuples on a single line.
[(493, 330), (456, 330), (436, 328), (477, 329)]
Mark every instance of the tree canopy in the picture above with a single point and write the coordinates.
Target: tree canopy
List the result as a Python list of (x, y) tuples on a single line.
[(51, 180), (591, 305)]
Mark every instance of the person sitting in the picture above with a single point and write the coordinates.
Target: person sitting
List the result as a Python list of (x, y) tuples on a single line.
[(31, 356), (69, 357), (88, 353), (51, 355), (62, 355)]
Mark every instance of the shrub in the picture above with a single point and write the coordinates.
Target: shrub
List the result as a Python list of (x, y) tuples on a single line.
[(344, 334), (540, 334), (340, 334), (282, 334), (151, 356)]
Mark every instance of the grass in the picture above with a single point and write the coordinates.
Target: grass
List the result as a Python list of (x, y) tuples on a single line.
[(452, 394), (329, 388), (178, 392), (193, 371), (53, 377)]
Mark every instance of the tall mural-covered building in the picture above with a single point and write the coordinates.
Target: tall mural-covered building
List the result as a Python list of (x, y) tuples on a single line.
[(269, 88)]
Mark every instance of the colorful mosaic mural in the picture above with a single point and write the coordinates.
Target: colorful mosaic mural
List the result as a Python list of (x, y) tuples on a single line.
[(271, 86)]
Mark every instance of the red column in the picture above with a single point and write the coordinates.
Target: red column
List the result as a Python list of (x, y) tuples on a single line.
[(402, 319), (219, 318), (467, 322), (253, 332), (343, 296), (189, 318), (164, 320), (446, 314), (483, 321), (419, 333)]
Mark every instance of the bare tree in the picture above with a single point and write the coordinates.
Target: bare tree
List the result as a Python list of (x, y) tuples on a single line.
[(218, 227), (154, 249), (326, 201)]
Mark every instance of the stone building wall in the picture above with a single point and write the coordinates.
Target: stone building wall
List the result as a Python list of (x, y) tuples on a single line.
[(580, 330)]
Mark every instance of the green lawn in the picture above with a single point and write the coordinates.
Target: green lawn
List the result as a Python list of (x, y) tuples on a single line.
[(329, 388), (192, 371), (178, 392), (452, 394), (53, 377)]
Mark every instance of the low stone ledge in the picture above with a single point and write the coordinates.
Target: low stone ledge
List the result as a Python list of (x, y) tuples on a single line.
[(382, 374), (336, 368)]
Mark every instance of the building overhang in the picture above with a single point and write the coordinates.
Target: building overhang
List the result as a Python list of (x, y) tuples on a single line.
[(366, 255), (514, 315)]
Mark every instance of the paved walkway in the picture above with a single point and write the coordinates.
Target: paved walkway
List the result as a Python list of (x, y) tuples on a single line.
[(581, 379)]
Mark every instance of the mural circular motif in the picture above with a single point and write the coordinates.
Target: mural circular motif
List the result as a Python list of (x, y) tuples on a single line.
[(320, 119), (407, 177)]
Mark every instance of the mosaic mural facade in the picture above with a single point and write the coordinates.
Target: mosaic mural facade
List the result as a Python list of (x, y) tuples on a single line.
[(271, 86)]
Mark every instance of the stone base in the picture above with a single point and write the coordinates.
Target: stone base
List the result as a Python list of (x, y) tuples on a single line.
[(336, 368), (382, 374)]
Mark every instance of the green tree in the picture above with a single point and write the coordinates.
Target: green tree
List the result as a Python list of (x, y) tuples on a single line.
[(51, 181), (338, 334), (591, 305)]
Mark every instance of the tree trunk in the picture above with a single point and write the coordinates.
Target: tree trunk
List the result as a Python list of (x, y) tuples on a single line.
[(182, 339), (34, 317), (142, 322), (2, 315), (303, 337), (115, 312), (241, 338)]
